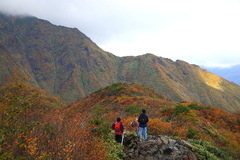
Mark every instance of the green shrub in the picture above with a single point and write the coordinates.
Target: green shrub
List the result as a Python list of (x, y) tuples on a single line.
[(100, 125), (132, 109), (192, 133), (115, 89), (206, 150), (180, 108), (194, 107), (115, 149)]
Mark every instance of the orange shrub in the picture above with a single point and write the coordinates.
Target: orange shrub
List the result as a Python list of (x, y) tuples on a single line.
[(126, 123), (180, 132), (157, 127)]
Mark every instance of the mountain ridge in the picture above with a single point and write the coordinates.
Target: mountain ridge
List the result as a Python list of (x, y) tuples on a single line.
[(65, 62)]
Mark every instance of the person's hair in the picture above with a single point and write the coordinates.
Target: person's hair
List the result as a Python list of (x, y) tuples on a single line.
[(118, 119), (143, 110)]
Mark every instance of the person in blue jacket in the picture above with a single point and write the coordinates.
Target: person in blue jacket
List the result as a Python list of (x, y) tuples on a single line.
[(143, 120)]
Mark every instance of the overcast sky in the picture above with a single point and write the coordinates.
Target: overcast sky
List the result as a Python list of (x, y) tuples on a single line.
[(202, 32)]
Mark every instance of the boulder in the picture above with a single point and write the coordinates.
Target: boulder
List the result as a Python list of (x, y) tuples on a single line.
[(157, 148)]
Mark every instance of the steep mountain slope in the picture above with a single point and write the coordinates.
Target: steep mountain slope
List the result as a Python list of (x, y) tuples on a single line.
[(60, 60), (65, 62), (180, 81)]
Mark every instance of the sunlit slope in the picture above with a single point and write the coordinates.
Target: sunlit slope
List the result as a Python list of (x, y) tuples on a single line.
[(180, 81)]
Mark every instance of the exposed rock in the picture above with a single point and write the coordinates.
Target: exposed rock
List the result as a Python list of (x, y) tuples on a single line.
[(157, 148)]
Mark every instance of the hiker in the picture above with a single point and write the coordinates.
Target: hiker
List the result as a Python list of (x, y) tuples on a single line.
[(134, 124), (119, 130), (143, 120)]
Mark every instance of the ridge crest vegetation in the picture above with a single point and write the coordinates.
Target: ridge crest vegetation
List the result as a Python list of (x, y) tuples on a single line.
[(32, 127)]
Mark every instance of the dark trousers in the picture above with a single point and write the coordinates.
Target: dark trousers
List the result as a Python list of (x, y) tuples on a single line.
[(118, 138)]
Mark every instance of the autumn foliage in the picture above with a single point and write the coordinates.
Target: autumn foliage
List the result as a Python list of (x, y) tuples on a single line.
[(35, 125)]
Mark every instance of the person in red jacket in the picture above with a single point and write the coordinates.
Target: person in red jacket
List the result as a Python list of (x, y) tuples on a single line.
[(119, 130)]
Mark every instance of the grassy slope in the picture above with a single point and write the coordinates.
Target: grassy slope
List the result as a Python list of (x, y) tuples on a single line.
[(65, 62), (180, 81)]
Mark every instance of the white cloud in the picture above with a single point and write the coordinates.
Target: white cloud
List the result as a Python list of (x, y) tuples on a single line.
[(204, 33)]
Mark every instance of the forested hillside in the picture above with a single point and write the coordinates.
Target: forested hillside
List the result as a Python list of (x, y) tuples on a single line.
[(35, 125)]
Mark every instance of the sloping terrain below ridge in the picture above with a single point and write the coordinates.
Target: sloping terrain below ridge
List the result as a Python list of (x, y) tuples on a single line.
[(180, 81), (65, 62)]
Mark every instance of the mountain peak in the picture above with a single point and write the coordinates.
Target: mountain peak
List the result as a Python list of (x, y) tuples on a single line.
[(65, 62)]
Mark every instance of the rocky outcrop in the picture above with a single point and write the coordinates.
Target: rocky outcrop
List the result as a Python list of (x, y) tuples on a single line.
[(157, 148)]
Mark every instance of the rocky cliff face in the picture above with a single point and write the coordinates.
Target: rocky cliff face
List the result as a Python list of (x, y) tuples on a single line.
[(157, 148)]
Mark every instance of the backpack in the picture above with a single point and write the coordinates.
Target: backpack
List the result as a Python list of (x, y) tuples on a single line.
[(133, 124), (117, 126), (142, 119)]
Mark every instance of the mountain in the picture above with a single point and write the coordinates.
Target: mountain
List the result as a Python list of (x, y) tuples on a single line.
[(232, 73), (60, 60), (65, 62)]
